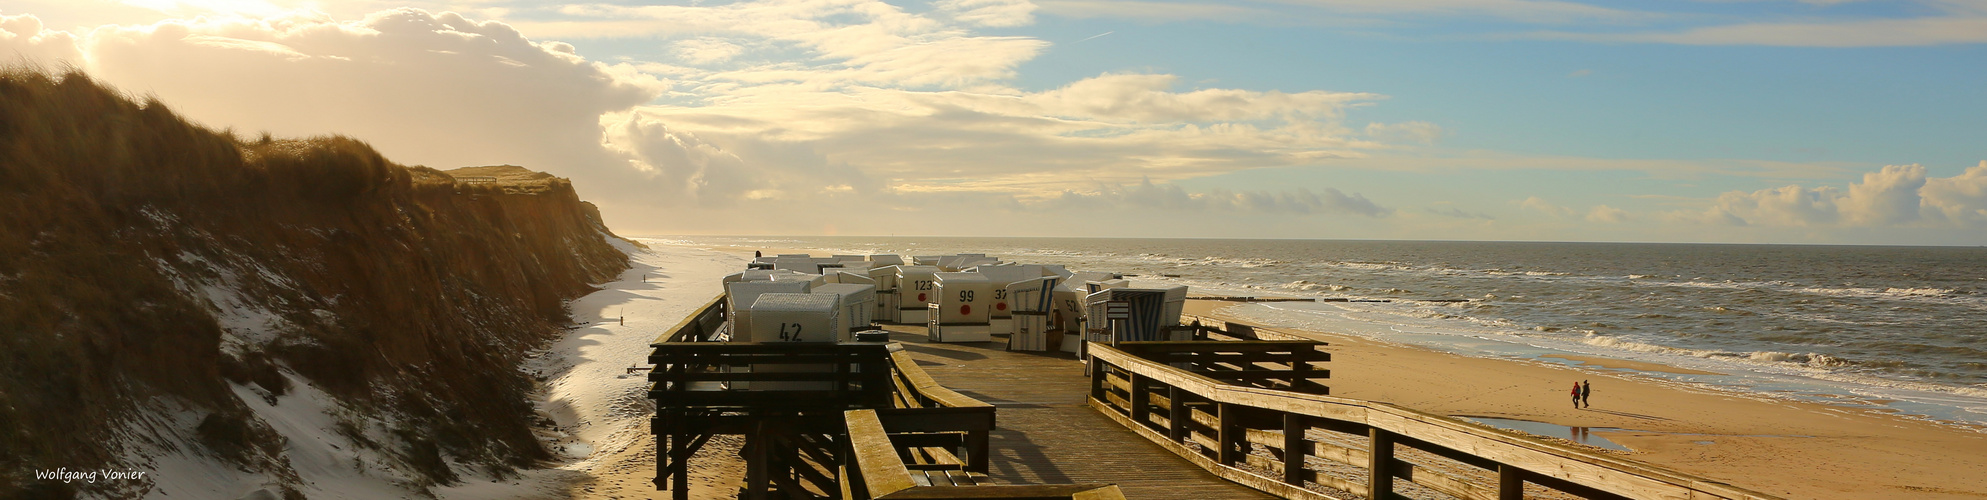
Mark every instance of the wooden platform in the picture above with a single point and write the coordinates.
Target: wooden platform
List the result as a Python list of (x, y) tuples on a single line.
[(1048, 434)]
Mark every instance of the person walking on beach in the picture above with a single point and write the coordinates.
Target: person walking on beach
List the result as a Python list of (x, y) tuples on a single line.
[(756, 254), (1586, 389), (1576, 394)]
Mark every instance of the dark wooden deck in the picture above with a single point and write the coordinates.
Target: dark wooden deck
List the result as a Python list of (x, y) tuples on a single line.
[(1048, 434)]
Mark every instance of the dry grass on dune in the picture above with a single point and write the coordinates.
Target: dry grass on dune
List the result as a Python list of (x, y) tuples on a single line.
[(399, 290)]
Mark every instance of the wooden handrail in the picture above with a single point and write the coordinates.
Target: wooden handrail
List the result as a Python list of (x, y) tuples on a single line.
[(921, 384), (882, 471), (1544, 461), (691, 329)]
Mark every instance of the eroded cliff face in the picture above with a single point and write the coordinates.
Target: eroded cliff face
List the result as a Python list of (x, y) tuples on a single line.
[(166, 290)]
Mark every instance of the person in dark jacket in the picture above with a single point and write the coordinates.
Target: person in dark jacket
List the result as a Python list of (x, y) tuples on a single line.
[(1586, 389)]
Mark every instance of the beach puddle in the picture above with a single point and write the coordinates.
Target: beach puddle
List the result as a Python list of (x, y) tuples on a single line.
[(1580, 435)]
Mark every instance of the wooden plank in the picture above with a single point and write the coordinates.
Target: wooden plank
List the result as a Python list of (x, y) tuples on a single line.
[(1300, 356), (1071, 491), (876, 458), (1245, 478), (1259, 374)]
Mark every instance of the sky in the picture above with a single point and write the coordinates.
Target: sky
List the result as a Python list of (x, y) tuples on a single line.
[(1732, 121)]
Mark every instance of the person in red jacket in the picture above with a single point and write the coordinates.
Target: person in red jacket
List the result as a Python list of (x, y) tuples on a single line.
[(1576, 394)]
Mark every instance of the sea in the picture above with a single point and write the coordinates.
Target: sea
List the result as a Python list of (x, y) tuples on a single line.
[(1898, 329)]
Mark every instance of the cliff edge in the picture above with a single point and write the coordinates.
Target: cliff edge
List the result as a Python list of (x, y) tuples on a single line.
[(223, 311)]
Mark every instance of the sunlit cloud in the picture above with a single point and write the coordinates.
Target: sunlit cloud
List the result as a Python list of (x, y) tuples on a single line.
[(1895, 196)]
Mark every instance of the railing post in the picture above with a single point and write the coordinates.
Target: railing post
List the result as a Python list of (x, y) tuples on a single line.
[(1228, 434), (1097, 380), (1141, 398), (1510, 483), (1381, 465), (757, 476), (977, 453), (1177, 413), (1295, 448)]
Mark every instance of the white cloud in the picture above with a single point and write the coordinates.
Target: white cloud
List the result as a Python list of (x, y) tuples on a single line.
[(436, 89), (1417, 132), (1783, 206), (24, 39), (1607, 214), (1113, 129), (1540, 205), (1145, 194), (990, 13), (704, 51), (1894, 196), (1961, 198), (1888, 196)]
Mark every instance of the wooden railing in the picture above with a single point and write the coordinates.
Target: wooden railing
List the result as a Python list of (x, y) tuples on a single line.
[(876, 470), (1271, 364), (703, 325), (1263, 438), (792, 401), (918, 398)]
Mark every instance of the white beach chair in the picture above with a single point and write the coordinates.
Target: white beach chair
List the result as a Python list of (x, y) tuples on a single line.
[(914, 293), (795, 317), (1031, 301), (960, 308), (887, 293), (739, 297), (999, 277), (858, 306)]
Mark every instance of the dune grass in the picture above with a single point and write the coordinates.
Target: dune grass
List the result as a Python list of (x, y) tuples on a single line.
[(400, 290)]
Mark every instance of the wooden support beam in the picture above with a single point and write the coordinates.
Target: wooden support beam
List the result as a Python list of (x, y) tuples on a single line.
[(1176, 418), (1380, 482), (1141, 400), (1229, 435), (757, 475), (1294, 448), (1510, 483)]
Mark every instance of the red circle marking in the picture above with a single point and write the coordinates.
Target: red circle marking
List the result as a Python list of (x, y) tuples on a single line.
[(1000, 306), (921, 298), (965, 309)]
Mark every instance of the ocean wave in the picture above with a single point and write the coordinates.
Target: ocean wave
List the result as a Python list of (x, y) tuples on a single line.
[(1922, 292), (1220, 261), (1370, 266), (1307, 286), (1812, 359)]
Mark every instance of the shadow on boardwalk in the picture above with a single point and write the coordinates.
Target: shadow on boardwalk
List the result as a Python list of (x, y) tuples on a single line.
[(1047, 434)]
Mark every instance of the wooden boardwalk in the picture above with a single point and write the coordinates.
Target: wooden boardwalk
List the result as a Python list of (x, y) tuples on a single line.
[(1048, 434)]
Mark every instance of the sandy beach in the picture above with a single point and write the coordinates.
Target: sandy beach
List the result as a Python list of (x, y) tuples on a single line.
[(1787, 448)]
